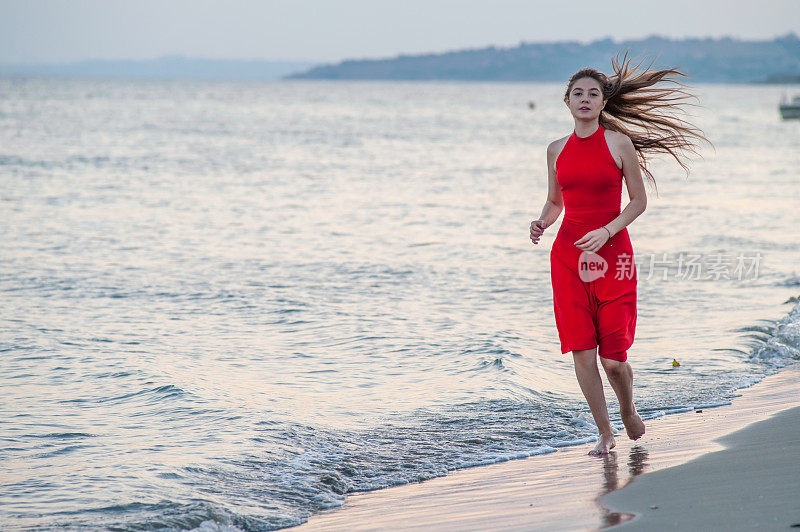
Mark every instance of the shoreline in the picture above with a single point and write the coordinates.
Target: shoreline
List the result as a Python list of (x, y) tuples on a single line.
[(564, 490)]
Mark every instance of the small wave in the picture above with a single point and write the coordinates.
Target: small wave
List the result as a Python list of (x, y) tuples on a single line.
[(483, 364), (584, 420), (213, 526), (160, 392), (13, 160), (791, 280), (57, 452), (776, 344), (61, 435)]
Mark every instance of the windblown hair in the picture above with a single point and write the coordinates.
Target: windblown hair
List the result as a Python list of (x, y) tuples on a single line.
[(645, 113)]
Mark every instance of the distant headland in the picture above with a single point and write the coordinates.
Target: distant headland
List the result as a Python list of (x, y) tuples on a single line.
[(720, 60)]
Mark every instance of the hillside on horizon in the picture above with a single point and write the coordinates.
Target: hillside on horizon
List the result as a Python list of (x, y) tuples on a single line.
[(723, 60)]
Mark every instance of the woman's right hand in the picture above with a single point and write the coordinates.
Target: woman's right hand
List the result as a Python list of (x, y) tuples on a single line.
[(537, 228)]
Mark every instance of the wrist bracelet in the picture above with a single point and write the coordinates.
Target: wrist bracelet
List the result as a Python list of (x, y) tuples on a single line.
[(609, 232)]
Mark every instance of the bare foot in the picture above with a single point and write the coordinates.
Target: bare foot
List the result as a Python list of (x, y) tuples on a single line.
[(634, 425), (605, 442)]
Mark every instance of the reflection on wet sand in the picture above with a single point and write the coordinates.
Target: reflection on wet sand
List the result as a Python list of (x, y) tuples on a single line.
[(637, 462)]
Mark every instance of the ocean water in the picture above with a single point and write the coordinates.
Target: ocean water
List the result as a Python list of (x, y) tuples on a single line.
[(226, 306)]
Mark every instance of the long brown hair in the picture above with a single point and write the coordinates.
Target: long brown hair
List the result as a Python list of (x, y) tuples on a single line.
[(645, 113)]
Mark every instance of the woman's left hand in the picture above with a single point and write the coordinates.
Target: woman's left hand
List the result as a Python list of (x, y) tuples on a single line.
[(593, 240)]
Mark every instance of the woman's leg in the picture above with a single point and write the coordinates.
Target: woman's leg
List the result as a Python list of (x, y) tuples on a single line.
[(620, 375), (592, 388)]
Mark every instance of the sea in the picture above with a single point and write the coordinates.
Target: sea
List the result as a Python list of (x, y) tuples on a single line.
[(228, 305)]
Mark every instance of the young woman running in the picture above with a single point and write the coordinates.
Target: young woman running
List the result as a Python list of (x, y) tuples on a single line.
[(592, 265)]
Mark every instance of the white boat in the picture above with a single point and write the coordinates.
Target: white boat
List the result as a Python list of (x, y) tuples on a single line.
[(790, 109)]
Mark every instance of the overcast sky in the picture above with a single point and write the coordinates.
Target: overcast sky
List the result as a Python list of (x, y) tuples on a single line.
[(332, 30)]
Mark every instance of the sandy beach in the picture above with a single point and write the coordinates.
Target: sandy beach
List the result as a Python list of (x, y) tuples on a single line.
[(752, 483), (694, 466)]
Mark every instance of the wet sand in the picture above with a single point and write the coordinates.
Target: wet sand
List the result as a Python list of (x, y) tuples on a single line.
[(753, 483), (564, 490)]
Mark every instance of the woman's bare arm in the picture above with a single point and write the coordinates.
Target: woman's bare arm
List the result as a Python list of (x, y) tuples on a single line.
[(555, 203)]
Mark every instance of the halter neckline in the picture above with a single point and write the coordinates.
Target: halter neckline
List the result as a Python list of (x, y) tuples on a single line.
[(598, 130)]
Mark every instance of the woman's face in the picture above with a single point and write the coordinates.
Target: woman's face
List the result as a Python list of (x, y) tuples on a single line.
[(585, 99)]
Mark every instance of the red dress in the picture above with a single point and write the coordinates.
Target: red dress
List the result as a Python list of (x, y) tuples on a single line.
[(595, 304)]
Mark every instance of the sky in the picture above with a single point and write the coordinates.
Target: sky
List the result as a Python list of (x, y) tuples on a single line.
[(56, 31)]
